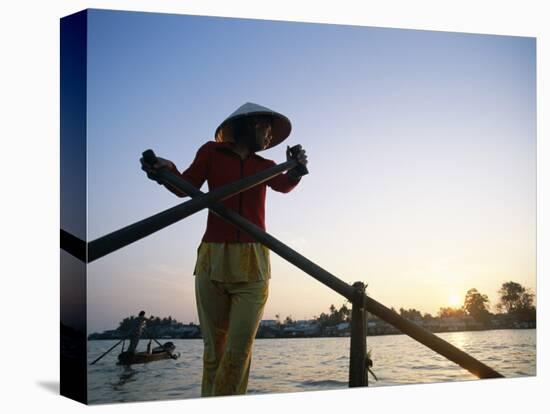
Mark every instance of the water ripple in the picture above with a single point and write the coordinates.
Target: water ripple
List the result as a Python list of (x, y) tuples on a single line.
[(324, 383), (301, 364)]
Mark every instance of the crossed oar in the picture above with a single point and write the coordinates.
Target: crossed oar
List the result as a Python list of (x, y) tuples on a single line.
[(113, 241), (114, 346), (127, 235)]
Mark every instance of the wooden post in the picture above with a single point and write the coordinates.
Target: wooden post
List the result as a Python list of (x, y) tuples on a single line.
[(358, 339)]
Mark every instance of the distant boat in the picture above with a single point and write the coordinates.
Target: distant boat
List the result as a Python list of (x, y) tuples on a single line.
[(166, 351)]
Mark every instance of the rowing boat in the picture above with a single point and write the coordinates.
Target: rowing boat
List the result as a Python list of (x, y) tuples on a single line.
[(166, 351)]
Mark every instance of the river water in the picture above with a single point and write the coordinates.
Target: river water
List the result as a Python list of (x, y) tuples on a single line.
[(309, 364)]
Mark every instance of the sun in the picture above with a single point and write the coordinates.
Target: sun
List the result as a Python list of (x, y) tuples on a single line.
[(454, 301)]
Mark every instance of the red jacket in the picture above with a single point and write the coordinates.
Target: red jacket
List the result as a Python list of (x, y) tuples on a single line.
[(216, 163)]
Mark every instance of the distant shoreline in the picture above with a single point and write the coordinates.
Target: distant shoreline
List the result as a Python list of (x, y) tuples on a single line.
[(330, 336)]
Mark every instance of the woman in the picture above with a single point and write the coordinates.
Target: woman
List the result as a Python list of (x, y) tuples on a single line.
[(232, 270)]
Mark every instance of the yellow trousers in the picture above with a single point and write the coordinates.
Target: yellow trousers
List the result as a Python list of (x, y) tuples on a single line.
[(229, 316)]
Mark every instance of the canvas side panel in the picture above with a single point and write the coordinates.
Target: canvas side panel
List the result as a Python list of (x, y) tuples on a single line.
[(73, 52)]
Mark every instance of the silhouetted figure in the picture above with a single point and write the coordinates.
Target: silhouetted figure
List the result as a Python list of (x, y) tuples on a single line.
[(233, 269), (136, 333)]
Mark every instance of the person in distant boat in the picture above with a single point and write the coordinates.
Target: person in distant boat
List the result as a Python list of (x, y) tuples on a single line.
[(232, 269), (135, 335)]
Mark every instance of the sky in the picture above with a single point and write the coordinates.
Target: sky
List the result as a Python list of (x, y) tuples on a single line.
[(421, 148)]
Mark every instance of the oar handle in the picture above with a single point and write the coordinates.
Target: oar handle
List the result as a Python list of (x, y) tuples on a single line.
[(149, 156), (300, 168)]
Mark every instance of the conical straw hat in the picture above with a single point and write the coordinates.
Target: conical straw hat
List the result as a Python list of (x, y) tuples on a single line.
[(280, 128)]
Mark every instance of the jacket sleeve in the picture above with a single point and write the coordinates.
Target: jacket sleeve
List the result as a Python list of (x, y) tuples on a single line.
[(197, 172), (282, 183)]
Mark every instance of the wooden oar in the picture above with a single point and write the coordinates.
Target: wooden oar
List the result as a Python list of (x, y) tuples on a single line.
[(143, 228), (409, 328), (105, 353)]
